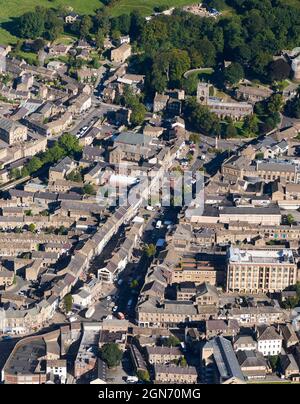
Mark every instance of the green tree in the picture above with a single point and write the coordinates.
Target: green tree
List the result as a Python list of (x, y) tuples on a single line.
[(179, 63), (242, 54), (259, 156), (99, 39), (75, 176), (138, 114), (86, 26), (32, 228), (38, 45), (234, 73), (54, 154), (143, 375), (196, 58), (138, 109), (182, 362), (190, 84), (68, 303), (279, 70), (88, 189), (274, 362), (70, 144), (231, 131), (15, 173), (208, 52), (134, 284), (62, 231), (150, 250), (31, 25), (111, 354), (34, 165), (290, 219), (250, 125), (172, 341), (200, 118), (194, 137), (275, 103)]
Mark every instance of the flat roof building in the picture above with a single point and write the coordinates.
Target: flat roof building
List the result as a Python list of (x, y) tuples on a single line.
[(254, 271)]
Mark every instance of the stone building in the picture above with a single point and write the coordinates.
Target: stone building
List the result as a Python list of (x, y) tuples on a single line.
[(235, 110), (12, 132)]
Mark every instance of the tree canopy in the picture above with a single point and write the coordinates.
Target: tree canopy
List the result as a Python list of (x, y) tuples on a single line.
[(111, 354)]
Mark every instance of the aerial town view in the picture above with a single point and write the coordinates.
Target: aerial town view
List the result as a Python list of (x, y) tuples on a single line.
[(150, 193)]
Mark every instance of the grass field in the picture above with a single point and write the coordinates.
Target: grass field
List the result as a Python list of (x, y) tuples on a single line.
[(15, 8), (146, 6)]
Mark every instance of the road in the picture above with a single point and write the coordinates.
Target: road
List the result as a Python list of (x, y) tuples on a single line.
[(98, 111), (134, 271), (13, 184)]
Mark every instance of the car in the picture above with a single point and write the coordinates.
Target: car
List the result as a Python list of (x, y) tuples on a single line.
[(159, 224), (115, 309), (6, 338), (108, 298), (132, 379)]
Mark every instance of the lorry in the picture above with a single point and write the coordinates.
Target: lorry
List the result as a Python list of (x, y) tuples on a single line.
[(90, 312)]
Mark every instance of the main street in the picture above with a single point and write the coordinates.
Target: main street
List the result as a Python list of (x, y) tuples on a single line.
[(98, 111)]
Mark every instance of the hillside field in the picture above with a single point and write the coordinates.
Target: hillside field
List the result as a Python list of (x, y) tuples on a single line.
[(15, 8)]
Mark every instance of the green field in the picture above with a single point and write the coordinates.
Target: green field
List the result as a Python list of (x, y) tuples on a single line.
[(15, 8), (146, 6)]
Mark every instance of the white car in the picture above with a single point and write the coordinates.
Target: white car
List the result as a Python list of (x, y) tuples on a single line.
[(132, 379), (108, 298), (159, 224)]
